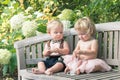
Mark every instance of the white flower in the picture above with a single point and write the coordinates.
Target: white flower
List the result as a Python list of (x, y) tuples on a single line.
[(39, 14), (66, 24), (29, 28), (5, 56), (16, 21), (29, 9), (3, 15)]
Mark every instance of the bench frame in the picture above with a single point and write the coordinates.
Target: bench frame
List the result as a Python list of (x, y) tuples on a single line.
[(29, 51)]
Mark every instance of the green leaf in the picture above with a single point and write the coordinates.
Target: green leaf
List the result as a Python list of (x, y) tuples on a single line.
[(6, 2), (5, 69), (13, 64)]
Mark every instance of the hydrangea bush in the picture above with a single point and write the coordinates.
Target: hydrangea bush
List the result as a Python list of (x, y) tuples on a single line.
[(16, 21), (5, 56), (29, 28)]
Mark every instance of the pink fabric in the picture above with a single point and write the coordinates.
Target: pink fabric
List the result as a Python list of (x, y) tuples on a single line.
[(86, 66), (94, 62)]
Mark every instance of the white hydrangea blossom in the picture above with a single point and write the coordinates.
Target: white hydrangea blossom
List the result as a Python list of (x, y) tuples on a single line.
[(29, 9), (39, 14), (3, 15), (29, 28), (66, 24), (5, 56), (16, 21)]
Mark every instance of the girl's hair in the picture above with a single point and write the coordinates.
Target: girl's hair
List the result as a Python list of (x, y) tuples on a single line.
[(53, 23), (85, 24)]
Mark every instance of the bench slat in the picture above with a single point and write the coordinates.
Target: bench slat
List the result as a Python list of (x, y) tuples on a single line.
[(39, 50), (116, 45)]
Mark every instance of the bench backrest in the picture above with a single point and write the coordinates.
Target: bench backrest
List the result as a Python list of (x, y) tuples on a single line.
[(29, 51)]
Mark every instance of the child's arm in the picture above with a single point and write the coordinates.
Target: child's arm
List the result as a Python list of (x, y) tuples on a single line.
[(65, 50), (76, 51), (46, 51)]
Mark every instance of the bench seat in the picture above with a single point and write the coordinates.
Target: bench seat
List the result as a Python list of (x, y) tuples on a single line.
[(111, 75)]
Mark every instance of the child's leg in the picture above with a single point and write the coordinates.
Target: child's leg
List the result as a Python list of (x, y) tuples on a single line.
[(81, 68), (67, 69), (78, 64), (93, 66), (41, 68), (55, 68)]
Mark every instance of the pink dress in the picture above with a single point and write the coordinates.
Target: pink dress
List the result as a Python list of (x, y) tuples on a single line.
[(86, 66)]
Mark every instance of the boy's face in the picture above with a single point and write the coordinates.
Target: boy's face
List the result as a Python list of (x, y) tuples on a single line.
[(56, 32), (84, 35)]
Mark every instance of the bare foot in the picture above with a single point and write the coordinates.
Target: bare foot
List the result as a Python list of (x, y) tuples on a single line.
[(36, 71), (67, 70), (48, 72), (77, 72)]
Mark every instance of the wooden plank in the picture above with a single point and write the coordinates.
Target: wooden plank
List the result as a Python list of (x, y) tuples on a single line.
[(39, 50), (105, 44), (36, 39), (69, 39), (33, 51), (76, 39), (100, 40), (109, 26), (119, 52), (21, 58), (27, 52), (116, 44), (110, 45), (34, 61)]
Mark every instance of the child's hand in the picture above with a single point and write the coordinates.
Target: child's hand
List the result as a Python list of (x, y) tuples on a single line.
[(75, 54), (56, 50), (48, 52)]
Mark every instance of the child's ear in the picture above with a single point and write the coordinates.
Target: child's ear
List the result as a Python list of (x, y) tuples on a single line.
[(48, 32)]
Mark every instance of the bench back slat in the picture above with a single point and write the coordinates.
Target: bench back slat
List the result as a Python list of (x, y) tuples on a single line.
[(39, 51), (116, 44), (110, 39)]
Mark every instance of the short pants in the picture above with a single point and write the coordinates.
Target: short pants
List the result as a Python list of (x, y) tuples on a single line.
[(52, 60)]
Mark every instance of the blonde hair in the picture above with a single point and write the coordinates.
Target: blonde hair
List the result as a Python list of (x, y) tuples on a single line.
[(53, 23), (85, 24)]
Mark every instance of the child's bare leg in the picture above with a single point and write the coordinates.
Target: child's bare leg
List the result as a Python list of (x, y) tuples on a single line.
[(67, 69), (55, 68), (77, 71), (97, 68), (41, 68)]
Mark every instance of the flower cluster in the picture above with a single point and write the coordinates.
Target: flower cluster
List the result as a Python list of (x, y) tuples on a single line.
[(67, 14), (16, 21), (29, 28), (5, 56), (66, 24)]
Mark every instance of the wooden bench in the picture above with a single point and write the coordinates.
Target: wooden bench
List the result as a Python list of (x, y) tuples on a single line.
[(29, 51)]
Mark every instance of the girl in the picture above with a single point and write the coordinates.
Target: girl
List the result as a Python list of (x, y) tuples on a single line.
[(85, 54)]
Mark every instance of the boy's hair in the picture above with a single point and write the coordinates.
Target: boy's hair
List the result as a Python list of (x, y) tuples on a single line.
[(52, 24), (85, 24)]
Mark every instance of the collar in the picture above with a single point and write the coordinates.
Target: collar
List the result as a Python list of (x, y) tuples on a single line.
[(56, 41)]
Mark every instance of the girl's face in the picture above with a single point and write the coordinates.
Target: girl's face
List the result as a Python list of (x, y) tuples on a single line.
[(56, 32), (85, 36)]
